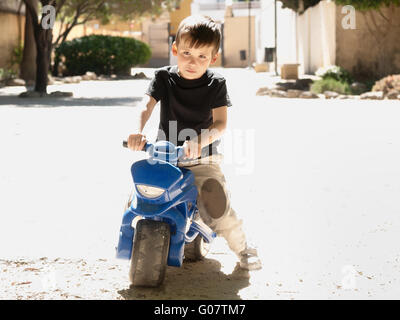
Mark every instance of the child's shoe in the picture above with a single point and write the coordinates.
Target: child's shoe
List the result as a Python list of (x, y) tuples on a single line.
[(248, 259)]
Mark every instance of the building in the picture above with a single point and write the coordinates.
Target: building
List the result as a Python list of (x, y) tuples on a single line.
[(12, 22)]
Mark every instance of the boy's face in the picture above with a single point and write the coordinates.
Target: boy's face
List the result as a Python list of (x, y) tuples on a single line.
[(193, 62)]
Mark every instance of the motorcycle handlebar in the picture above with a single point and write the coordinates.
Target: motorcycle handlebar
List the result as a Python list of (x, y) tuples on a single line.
[(179, 150)]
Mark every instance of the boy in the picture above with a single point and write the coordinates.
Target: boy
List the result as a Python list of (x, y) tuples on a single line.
[(193, 98)]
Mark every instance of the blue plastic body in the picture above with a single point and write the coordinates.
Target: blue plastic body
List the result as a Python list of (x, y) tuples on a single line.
[(176, 205)]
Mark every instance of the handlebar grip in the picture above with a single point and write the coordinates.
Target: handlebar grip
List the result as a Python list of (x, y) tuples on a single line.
[(146, 146)]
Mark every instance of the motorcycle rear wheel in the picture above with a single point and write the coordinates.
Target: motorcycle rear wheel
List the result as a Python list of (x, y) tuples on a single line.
[(197, 249), (150, 253)]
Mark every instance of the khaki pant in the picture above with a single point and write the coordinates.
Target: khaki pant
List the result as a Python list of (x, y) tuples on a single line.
[(214, 201)]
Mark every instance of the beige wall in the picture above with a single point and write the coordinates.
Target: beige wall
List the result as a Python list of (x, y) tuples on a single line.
[(236, 39), (12, 33), (178, 15), (357, 50)]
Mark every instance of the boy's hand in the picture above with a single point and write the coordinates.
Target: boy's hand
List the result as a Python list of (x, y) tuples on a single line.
[(192, 149), (136, 142)]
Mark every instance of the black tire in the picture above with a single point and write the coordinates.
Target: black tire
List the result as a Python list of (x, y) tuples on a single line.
[(197, 249), (150, 253)]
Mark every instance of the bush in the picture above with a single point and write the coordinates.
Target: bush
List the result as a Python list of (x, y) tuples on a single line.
[(335, 73), (330, 84), (387, 84), (102, 55), (6, 74)]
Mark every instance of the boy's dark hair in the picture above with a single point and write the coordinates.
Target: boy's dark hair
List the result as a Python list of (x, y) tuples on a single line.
[(200, 31)]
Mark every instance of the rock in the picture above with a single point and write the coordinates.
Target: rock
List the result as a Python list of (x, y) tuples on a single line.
[(61, 94), (139, 75), (89, 76), (50, 80), (264, 91), (293, 93), (15, 82), (308, 95), (74, 79), (393, 94), (331, 94), (299, 84), (278, 93), (30, 94), (358, 88), (343, 96), (372, 95)]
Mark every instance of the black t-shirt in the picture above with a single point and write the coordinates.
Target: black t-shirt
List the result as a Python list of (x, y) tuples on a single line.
[(186, 105)]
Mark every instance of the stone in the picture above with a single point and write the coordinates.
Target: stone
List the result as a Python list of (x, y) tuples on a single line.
[(343, 97), (308, 95), (299, 84), (50, 81), (331, 94), (293, 93), (393, 94), (61, 94), (358, 88), (89, 76), (277, 94), (15, 82), (372, 95), (263, 91), (139, 76)]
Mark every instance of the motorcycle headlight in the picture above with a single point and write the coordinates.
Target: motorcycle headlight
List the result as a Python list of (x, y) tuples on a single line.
[(149, 192)]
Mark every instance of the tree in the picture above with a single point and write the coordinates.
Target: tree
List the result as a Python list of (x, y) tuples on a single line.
[(28, 65), (78, 9), (78, 12), (299, 6), (379, 24)]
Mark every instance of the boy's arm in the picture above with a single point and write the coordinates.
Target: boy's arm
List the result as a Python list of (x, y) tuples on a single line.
[(147, 105), (137, 141), (214, 132)]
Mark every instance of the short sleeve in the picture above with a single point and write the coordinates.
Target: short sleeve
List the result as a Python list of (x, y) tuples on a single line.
[(156, 87), (221, 97)]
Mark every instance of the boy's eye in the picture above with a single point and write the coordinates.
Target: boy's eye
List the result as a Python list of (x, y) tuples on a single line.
[(186, 53), (203, 57)]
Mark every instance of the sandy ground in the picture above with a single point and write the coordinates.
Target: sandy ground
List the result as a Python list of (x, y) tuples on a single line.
[(316, 182)]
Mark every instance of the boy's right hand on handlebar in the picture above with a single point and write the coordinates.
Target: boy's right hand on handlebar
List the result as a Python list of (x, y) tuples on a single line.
[(137, 141)]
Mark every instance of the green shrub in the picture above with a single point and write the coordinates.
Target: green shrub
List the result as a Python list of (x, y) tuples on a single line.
[(320, 86), (336, 73), (388, 83), (6, 74), (102, 55)]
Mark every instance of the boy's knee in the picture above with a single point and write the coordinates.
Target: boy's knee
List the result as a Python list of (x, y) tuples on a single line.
[(214, 198)]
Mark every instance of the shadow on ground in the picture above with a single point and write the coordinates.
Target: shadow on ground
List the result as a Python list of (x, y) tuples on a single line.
[(194, 280), (68, 102)]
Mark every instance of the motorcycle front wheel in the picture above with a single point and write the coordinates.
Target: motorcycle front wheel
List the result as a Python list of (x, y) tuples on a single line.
[(150, 253)]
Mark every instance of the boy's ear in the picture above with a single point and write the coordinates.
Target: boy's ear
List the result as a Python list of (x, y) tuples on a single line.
[(174, 49), (215, 58)]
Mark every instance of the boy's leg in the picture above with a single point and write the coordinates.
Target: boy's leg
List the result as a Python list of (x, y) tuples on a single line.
[(214, 205)]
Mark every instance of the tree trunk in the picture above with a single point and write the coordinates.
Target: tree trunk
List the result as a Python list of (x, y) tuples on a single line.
[(43, 41), (28, 64)]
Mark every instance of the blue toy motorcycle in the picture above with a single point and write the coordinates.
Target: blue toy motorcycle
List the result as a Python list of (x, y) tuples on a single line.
[(161, 224)]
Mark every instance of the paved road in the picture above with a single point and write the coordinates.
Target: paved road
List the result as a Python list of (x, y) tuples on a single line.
[(317, 182)]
